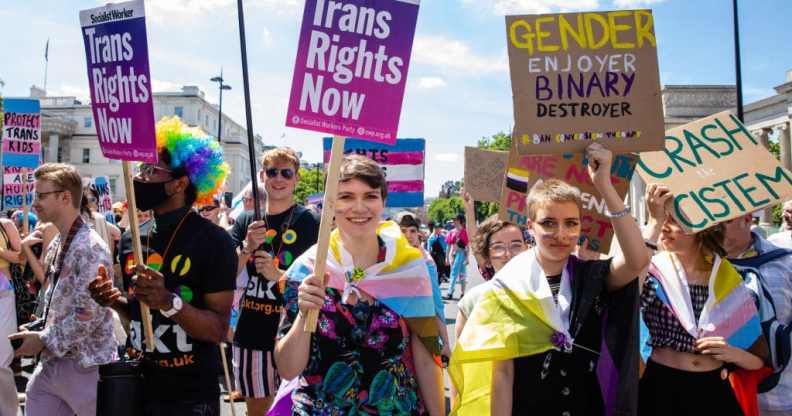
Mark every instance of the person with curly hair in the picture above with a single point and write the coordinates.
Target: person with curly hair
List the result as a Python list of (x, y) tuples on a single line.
[(188, 277)]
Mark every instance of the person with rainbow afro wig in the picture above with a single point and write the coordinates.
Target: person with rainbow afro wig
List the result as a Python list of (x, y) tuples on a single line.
[(188, 277)]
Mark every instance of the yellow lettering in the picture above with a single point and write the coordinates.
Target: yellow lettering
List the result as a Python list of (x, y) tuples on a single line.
[(566, 29), (542, 34), (643, 29), (523, 40), (589, 18), (615, 28)]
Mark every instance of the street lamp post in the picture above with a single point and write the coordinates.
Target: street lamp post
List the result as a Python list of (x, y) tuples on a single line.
[(219, 80)]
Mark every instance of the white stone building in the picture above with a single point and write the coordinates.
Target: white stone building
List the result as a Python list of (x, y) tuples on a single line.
[(69, 135)]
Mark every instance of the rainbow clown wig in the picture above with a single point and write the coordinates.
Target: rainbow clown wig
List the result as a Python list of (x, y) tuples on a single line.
[(190, 151)]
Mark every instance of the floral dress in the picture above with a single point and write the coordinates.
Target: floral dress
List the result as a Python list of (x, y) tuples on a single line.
[(360, 361)]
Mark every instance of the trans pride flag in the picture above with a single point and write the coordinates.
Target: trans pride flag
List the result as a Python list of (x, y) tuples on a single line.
[(403, 164), (401, 282)]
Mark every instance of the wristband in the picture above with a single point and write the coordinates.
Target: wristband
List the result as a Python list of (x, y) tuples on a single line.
[(617, 214)]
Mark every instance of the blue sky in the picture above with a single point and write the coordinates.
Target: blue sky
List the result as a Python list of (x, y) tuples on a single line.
[(458, 86)]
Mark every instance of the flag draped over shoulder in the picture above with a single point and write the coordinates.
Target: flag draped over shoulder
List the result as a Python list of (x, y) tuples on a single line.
[(515, 317), (729, 312), (401, 282)]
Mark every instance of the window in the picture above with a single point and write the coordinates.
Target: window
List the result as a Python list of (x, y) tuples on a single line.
[(86, 156), (207, 121), (179, 111), (113, 180), (87, 122)]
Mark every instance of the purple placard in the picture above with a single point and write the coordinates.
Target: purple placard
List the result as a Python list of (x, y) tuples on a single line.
[(351, 67), (116, 50)]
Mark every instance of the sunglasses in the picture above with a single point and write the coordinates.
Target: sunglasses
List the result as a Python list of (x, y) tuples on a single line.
[(285, 173), (147, 170), (208, 208)]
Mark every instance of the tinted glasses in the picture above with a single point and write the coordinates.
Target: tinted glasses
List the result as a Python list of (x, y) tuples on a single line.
[(285, 173)]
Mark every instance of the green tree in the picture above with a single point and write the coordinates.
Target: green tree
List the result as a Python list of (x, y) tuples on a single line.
[(311, 181), (445, 209), (498, 141)]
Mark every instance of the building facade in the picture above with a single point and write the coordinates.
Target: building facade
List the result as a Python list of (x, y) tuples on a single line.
[(69, 135)]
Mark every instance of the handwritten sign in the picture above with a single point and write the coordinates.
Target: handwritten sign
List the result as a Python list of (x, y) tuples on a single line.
[(16, 189), (402, 162), (21, 138), (717, 171), (116, 49), (526, 170), (484, 170), (580, 77), (351, 67)]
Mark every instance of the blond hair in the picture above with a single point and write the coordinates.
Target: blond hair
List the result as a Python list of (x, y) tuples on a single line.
[(551, 190), (281, 154), (63, 176)]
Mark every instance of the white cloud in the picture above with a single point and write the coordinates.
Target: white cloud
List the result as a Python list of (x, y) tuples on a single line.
[(431, 82), (533, 6), (447, 157), (68, 90), (635, 3), (164, 11), (456, 55)]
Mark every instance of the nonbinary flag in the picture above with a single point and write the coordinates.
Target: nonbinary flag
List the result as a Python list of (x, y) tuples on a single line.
[(403, 164)]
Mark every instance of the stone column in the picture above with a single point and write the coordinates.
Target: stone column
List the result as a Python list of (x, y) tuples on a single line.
[(52, 149), (766, 215), (784, 141)]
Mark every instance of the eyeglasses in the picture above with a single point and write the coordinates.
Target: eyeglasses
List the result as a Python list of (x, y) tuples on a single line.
[(41, 195), (207, 208), (500, 250), (285, 173), (148, 170)]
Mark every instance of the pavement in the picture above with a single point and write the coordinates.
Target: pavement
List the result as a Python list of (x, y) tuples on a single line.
[(473, 279)]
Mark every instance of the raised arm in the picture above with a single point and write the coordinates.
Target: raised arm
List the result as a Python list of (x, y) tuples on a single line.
[(634, 257)]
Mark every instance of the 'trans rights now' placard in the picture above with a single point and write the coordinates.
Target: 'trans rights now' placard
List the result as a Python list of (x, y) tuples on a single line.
[(118, 74), (351, 67), (717, 171), (580, 77)]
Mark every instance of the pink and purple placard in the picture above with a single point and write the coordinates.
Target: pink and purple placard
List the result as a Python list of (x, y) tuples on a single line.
[(351, 67), (116, 50), (21, 137)]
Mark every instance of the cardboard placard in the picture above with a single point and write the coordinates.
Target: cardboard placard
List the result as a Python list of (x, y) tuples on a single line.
[(717, 171), (525, 171), (15, 188), (21, 136), (484, 170), (579, 77), (402, 162), (351, 67), (116, 49)]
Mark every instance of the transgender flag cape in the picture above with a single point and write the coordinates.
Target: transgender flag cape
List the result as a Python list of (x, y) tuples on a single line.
[(729, 312), (401, 282)]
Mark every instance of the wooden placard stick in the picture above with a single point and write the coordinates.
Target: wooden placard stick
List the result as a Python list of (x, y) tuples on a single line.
[(137, 250), (25, 208), (328, 212), (227, 377)]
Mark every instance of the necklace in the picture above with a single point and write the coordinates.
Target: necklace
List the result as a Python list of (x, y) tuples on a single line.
[(284, 230), (170, 241)]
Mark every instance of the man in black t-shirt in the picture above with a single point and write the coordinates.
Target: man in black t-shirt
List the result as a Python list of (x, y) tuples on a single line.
[(266, 249), (187, 281)]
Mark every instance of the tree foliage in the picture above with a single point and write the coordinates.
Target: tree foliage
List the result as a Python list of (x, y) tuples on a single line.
[(445, 209), (498, 141), (311, 181)]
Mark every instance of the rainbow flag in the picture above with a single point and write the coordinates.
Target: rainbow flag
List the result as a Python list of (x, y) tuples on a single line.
[(730, 310), (401, 282), (402, 162)]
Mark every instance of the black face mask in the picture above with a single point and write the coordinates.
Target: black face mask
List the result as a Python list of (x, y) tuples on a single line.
[(149, 195)]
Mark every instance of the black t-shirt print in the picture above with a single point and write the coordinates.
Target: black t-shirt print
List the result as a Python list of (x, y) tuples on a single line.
[(201, 260), (289, 235)]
